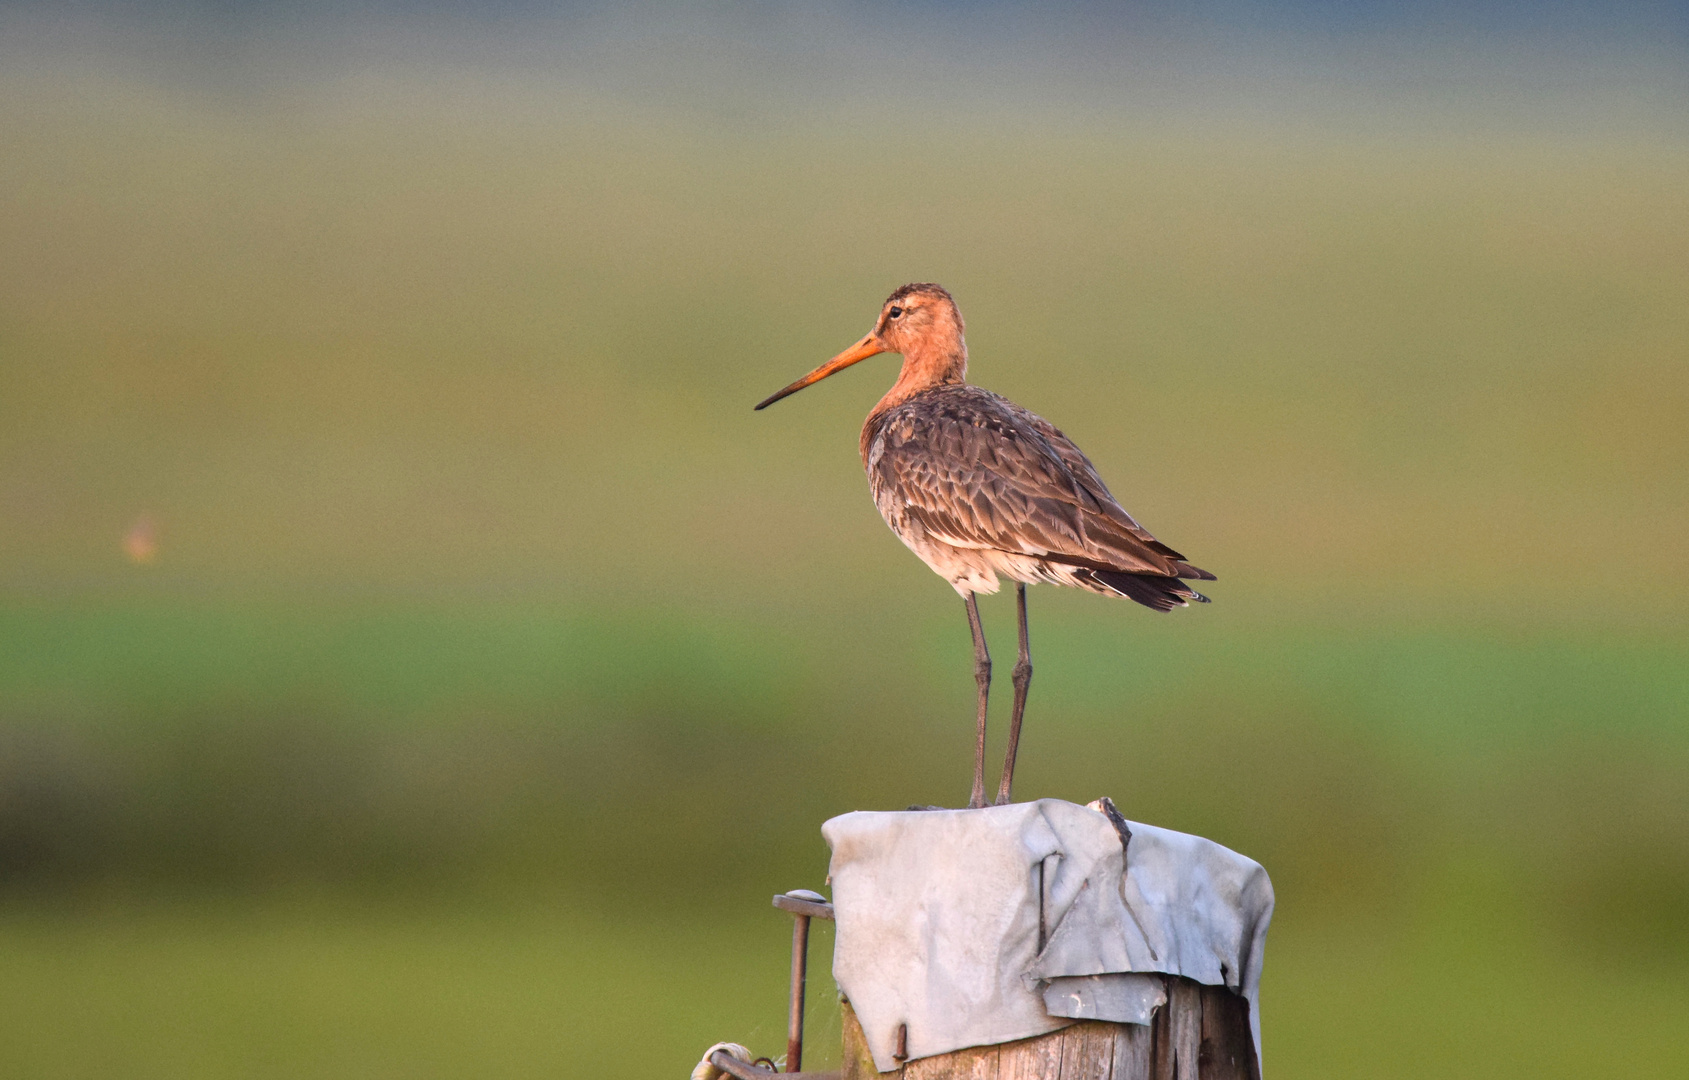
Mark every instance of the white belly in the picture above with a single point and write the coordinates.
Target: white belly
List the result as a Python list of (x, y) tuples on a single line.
[(971, 569)]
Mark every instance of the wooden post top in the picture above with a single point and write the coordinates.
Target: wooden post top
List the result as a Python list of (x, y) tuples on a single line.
[(1202, 1033)]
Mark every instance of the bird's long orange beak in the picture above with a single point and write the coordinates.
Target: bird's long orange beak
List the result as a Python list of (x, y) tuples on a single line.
[(862, 350)]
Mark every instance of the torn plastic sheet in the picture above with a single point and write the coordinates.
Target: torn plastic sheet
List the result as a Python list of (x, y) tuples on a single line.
[(960, 923), (1122, 997)]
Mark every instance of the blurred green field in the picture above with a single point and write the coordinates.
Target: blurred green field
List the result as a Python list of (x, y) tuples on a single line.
[(497, 663), (433, 989)]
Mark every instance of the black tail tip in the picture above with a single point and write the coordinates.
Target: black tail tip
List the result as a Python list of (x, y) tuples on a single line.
[(1151, 590)]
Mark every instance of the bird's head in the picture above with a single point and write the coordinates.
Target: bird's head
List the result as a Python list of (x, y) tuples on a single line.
[(919, 320)]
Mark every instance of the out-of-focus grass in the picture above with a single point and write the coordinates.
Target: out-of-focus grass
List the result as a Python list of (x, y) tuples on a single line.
[(560, 862), (388, 741), (392, 347), (309, 989), (479, 582)]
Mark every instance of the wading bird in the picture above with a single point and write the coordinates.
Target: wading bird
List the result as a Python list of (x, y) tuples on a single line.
[(977, 486)]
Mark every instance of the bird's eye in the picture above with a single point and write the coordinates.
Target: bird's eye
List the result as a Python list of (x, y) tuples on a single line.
[(895, 312)]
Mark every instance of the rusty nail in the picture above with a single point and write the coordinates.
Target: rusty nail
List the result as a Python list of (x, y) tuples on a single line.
[(902, 1051), (806, 904)]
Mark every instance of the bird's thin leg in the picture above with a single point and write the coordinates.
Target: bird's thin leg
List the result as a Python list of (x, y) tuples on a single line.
[(982, 677), (1022, 679)]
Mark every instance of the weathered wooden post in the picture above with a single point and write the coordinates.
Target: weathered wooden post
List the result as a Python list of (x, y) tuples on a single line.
[(1198, 1033), (1036, 940)]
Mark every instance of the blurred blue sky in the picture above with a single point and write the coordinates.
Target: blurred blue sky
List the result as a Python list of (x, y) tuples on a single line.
[(1506, 17), (1513, 66)]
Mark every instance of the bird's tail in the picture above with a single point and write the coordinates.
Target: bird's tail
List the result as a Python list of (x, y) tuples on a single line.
[(1150, 590)]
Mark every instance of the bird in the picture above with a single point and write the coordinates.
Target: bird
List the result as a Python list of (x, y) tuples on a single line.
[(978, 487)]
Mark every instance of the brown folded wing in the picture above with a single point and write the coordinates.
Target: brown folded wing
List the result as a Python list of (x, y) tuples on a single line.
[(975, 470)]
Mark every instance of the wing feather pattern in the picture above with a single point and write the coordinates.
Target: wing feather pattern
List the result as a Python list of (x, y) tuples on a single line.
[(974, 470)]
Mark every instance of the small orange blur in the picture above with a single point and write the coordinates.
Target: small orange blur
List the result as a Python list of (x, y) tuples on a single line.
[(140, 543)]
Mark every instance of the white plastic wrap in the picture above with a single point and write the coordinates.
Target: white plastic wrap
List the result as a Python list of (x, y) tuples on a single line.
[(976, 927)]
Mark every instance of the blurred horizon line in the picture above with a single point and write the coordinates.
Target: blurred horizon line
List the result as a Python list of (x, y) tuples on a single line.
[(1562, 70)]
